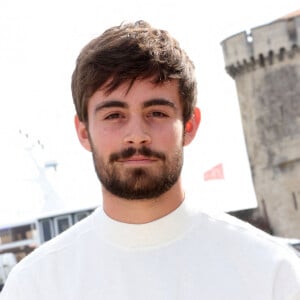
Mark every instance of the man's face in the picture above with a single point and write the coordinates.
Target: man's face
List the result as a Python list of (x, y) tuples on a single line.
[(136, 138)]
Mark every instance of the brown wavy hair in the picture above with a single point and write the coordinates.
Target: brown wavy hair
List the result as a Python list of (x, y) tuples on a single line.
[(129, 52)]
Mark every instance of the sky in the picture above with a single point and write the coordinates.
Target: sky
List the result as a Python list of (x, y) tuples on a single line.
[(39, 43)]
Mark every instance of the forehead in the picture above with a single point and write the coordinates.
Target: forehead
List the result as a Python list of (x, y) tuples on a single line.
[(138, 93)]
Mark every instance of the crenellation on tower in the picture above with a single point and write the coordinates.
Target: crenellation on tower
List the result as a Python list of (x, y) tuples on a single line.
[(263, 45), (237, 49), (265, 65)]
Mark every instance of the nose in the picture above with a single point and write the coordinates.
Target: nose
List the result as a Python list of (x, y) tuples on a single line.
[(137, 134)]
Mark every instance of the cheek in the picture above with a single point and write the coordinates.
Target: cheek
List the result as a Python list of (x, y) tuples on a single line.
[(178, 127), (174, 136), (102, 140)]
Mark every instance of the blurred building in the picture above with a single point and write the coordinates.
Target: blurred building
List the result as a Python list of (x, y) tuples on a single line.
[(265, 64), (34, 211)]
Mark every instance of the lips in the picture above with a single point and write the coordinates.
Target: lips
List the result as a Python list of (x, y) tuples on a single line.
[(143, 154), (138, 159)]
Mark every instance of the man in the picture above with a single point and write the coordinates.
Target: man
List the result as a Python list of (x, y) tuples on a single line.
[(134, 91)]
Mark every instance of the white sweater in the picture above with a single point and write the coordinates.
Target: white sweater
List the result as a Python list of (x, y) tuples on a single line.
[(184, 255)]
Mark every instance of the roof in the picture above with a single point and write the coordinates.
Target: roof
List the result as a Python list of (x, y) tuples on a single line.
[(291, 15)]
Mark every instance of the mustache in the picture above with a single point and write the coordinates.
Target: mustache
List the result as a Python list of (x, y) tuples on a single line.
[(129, 152)]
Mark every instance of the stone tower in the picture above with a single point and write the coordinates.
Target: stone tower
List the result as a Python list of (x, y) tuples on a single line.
[(265, 65)]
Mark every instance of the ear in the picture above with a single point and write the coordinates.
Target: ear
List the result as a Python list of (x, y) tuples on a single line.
[(82, 133), (191, 126)]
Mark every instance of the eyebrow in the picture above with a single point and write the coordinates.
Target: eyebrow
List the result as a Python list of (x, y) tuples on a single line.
[(111, 103), (159, 101), (121, 104)]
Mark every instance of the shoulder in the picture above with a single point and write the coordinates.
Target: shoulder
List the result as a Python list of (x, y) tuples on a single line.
[(236, 233), (249, 246), (60, 245), (45, 267)]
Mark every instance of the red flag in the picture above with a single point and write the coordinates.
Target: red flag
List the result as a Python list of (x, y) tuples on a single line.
[(214, 173)]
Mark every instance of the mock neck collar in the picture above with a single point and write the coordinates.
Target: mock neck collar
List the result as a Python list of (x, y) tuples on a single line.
[(152, 234)]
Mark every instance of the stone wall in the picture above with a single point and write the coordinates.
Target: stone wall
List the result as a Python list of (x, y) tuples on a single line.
[(265, 65)]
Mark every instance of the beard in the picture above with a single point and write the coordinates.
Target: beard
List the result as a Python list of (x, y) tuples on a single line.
[(140, 182)]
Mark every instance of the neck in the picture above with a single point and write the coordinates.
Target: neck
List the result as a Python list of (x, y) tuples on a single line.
[(144, 210)]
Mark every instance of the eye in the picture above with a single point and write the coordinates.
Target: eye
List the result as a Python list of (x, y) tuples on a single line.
[(113, 116), (158, 114)]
